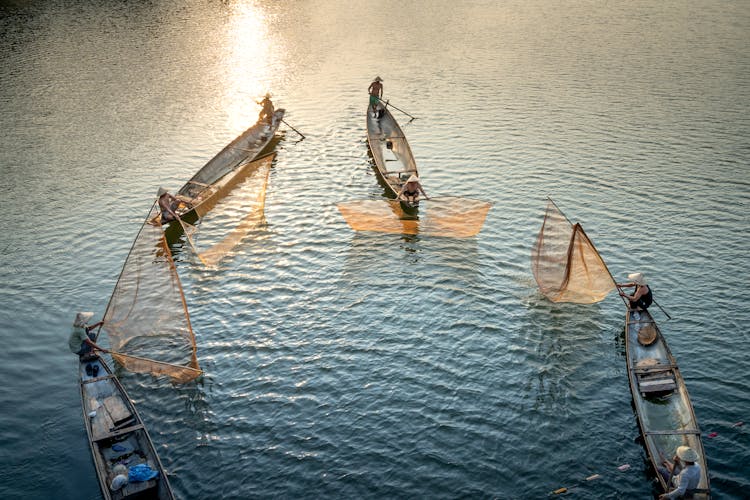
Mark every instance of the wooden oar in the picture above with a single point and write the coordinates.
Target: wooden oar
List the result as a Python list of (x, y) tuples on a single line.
[(662, 309), (285, 123), (399, 109)]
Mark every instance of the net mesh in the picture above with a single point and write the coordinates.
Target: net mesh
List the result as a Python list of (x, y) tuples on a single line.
[(147, 320), (565, 263), (235, 208), (445, 216)]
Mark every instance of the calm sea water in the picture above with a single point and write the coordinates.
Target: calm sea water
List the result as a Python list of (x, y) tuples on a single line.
[(347, 365)]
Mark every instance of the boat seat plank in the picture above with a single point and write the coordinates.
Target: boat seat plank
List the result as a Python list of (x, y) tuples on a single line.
[(202, 184), (112, 434), (137, 487), (654, 368), (97, 379), (394, 172), (658, 389), (675, 432)]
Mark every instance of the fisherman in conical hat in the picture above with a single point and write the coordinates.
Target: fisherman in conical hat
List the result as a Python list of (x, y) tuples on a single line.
[(642, 297), (81, 340), (266, 113), (684, 472), (376, 93), (411, 190), (168, 204)]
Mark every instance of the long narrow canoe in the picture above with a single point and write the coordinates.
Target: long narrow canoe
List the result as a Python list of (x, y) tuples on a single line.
[(207, 198), (393, 158), (117, 435), (244, 149), (661, 400)]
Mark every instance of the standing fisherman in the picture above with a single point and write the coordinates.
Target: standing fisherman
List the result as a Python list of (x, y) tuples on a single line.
[(376, 93), (266, 114)]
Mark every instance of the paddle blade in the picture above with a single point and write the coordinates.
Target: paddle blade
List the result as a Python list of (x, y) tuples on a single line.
[(447, 216)]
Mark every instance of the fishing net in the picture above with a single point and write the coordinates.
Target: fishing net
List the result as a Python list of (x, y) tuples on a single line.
[(234, 208), (445, 216), (565, 263), (147, 320)]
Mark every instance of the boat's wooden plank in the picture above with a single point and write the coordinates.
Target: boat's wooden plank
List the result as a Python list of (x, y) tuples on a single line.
[(112, 434), (655, 381), (97, 379), (137, 487), (664, 386), (673, 431), (117, 409), (198, 183), (655, 368), (101, 423)]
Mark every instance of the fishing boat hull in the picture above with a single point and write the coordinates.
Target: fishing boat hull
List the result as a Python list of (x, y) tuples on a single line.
[(116, 434), (248, 146), (662, 404), (391, 154)]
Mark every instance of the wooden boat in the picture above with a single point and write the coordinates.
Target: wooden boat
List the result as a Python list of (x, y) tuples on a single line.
[(665, 413), (117, 435), (394, 161), (244, 149)]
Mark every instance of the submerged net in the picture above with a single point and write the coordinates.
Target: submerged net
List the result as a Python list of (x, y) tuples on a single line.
[(147, 320), (235, 208), (445, 216), (565, 263)]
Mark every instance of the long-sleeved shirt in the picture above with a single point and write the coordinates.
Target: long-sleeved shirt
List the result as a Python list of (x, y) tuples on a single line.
[(687, 479)]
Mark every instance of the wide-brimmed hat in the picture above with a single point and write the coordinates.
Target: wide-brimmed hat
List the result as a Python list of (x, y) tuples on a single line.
[(378, 79), (413, 178), (687, 454), (161, 191), (647, 335), (268, 95), (637, 278), (82, 317)]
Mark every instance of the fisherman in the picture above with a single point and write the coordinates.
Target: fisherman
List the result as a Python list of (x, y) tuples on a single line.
[(266, 113), (642, 297), (685, 477), (411, 190), (168, 204), (376, 93), (81, 339)]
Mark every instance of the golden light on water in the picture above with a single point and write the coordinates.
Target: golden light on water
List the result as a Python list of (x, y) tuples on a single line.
[(246, 65)]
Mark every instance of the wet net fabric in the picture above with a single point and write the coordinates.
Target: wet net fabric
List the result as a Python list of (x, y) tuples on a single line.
[(445, 216), (235, 208), (147, 320), (566, 265)]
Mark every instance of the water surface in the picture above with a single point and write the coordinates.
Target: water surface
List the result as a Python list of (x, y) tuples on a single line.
[(342, 364)]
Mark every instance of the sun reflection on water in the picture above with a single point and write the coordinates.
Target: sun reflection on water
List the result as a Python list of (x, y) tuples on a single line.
[(248, 74)]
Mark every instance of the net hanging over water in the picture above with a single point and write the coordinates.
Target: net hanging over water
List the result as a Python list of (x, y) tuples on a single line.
[(147, 320), (446, 216), (565, 263), (234, 207)]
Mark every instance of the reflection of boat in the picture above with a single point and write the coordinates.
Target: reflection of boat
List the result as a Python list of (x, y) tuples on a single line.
[(394, 161), (241, 151), (661, 400), (117, 436)]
